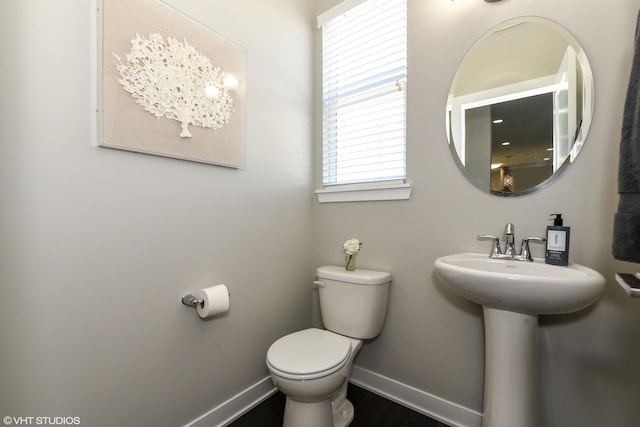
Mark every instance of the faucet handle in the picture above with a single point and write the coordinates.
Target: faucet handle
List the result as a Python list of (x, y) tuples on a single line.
[(525, 251), (495, 247)]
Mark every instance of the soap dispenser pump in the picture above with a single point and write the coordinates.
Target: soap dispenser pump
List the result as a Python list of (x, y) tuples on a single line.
[(557, 242)]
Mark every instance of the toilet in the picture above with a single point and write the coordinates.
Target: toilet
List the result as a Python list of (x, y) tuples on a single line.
[(312, 367)]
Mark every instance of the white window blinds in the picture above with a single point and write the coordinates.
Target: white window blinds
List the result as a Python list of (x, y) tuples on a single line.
[(364, 65)]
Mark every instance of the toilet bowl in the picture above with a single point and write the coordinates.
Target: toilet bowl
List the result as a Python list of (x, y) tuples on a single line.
[(312, 367)]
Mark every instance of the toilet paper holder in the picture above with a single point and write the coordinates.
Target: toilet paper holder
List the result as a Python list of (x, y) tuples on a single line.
[(208, 302), (191, 301)]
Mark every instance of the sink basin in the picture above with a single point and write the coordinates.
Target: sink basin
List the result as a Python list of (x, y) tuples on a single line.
[(524, 287)]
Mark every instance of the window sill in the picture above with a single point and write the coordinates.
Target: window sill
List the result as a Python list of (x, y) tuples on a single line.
[(364, 193)]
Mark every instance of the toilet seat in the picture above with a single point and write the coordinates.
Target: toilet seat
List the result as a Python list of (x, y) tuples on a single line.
[(308, 354)]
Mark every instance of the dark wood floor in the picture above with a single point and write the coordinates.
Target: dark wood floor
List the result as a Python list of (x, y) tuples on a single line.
[(371, 410)]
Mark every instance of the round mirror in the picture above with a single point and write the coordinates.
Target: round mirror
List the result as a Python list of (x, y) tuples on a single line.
[(520, 106)]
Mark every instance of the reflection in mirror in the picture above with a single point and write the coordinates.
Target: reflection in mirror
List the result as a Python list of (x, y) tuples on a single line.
[(520, 106)]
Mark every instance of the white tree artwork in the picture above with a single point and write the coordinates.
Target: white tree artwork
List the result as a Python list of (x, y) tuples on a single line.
[(171, 79)]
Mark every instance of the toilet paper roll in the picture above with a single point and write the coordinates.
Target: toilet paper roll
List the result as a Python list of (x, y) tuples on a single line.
[(215, 300)]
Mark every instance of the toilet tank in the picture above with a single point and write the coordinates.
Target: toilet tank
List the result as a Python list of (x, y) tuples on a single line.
[(353, 303)]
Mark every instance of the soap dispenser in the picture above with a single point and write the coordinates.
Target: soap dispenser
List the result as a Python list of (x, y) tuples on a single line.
[(557, 242)]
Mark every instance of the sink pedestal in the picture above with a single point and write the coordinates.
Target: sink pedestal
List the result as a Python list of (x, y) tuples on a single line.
[(510, 381)]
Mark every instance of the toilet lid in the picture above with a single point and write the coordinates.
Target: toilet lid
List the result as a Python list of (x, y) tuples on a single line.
[(310, 353)]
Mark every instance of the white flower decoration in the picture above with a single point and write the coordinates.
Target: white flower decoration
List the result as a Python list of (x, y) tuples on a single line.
[(352, 246)]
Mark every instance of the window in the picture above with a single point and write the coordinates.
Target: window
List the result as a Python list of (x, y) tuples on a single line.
[(364, 66)]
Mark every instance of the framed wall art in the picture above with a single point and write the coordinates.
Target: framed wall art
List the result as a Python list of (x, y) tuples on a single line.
[(168, 85)]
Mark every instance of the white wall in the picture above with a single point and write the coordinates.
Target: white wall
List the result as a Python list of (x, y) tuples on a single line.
[(97, 246), (432, 339)]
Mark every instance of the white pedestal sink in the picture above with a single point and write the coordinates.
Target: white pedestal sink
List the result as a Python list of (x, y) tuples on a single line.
[(513, 294)]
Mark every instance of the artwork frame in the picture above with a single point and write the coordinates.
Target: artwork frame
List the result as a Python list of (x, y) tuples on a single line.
[(168, 85)]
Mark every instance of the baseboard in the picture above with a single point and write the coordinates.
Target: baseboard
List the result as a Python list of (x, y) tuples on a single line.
[(434, 407), (227, 412)]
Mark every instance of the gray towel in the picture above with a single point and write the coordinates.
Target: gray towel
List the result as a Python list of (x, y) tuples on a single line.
[(626, 224)]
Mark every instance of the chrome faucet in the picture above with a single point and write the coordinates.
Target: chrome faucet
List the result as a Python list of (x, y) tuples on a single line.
[(509, 247)]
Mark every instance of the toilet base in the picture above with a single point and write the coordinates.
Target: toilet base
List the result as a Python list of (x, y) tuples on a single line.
[(307, 414), (317, 414)]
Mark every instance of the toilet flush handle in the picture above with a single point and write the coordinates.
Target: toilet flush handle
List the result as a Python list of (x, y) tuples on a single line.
[(319, 283)]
